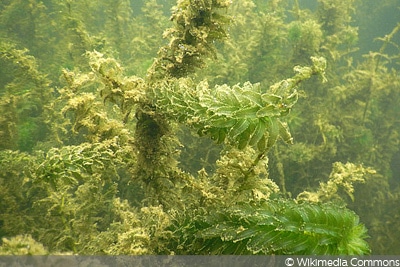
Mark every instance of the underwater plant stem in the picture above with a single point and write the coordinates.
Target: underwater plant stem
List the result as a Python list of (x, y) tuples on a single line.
[(281, 173), (297, 9), (259, 157), (152, 149), (197, 24), (386, 40)]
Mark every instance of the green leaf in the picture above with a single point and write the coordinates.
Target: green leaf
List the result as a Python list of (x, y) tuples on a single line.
[(291, 99), (258, 133), (243, 138), (268, 111), (221, 122), (253, 98), (271, 99), (225, 95), (246, 113), (262, 144), (284, 132), (273, 130), (227, 111), (264, 239), (238, 128), (222, 136)]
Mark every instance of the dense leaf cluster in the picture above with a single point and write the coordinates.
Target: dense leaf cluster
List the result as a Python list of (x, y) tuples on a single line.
[(242, 115), (276, 227)]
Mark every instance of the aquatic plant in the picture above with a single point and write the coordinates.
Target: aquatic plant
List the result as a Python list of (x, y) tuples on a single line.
[(104, 169), (241, 114), (22, 245), (25, 93), (344, 123), (274, 227)]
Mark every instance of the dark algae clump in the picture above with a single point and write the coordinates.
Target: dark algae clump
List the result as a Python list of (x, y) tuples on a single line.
[(201, 127)]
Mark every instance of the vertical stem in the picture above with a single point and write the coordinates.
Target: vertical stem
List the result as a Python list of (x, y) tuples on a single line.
[(279, 167)]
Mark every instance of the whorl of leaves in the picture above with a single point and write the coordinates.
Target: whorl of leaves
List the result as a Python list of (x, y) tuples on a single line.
[(240, 115), (276, 227)]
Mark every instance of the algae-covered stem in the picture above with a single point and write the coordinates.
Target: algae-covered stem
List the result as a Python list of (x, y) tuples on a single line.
[(197, 24), (387, 39)]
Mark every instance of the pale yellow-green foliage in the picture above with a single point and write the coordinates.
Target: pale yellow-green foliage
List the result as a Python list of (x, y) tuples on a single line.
[(85, 109), (340, 36), (342, 178), (25, 90), (240, 180), (132, 237), (115, 86), (22, 245)]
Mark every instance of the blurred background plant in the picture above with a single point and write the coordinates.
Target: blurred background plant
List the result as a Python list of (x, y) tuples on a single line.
[(92, 162)]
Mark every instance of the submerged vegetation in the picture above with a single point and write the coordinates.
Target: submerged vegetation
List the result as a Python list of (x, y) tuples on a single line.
[(125, 132)]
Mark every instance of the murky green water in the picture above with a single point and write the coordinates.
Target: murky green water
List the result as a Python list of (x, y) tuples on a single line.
[(199, 127)]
